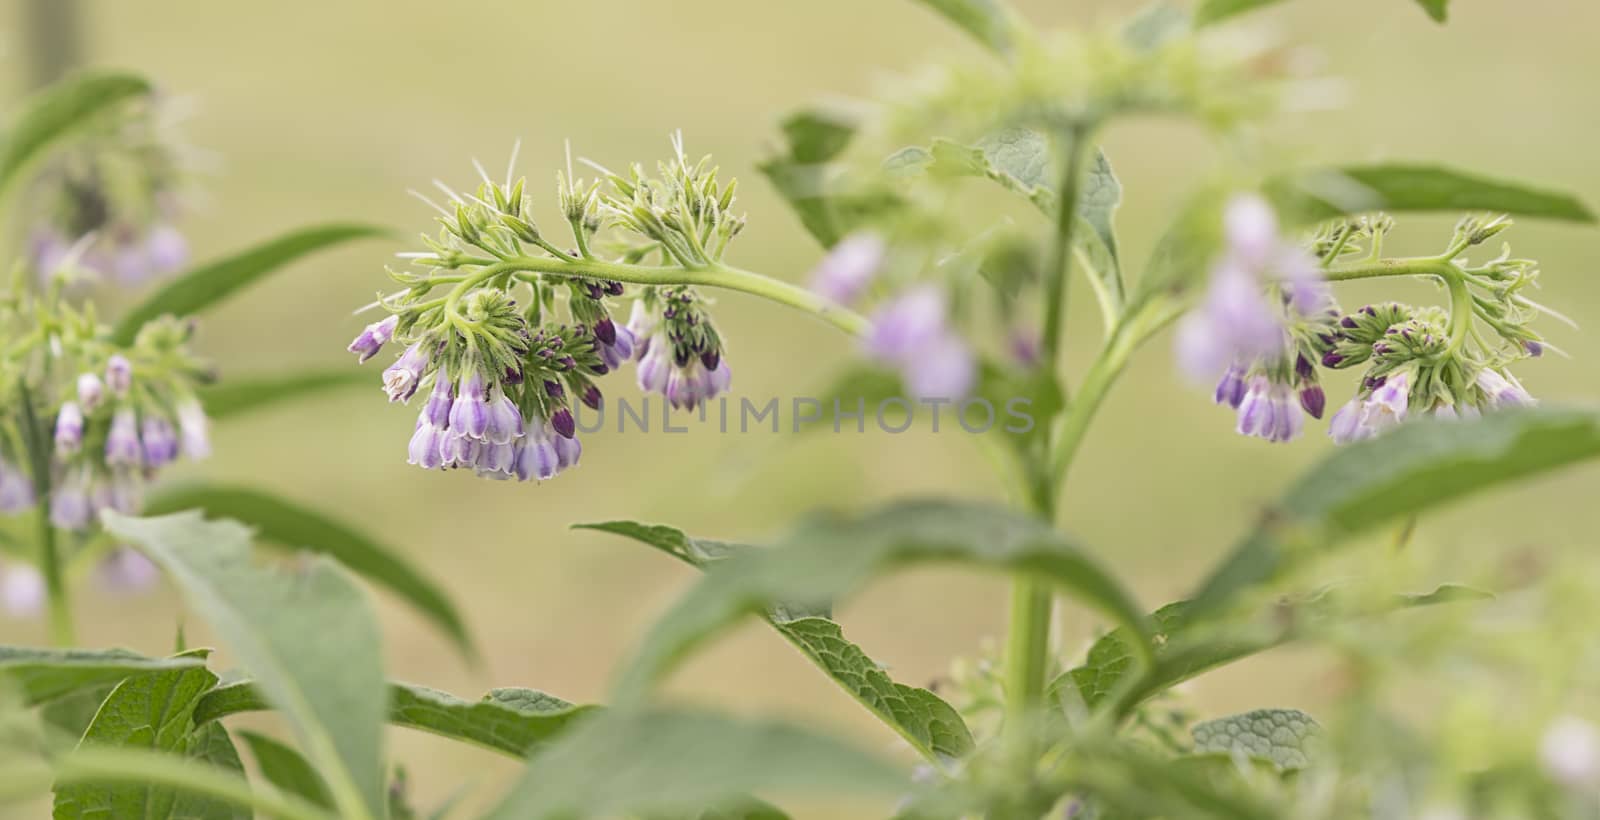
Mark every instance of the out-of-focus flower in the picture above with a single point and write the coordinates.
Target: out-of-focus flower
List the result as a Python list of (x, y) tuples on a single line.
[(127, 571), (849, 268), (911, 333), (22, 591), (1569, 751)]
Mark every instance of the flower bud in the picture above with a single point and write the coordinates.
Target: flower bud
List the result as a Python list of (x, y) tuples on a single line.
[(373, 338), (592, 398), (119, 374), (562, 422), (91, 391), (400, 380), (69, 429)]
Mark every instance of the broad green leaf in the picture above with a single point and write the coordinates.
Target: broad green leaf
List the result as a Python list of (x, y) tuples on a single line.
[(1327, 193), (306, 634), (929, 724), (72, 713), (284, 767), (1284, 737), (1418, 466), (990, 22), (204, 286), (666, 762), (41, 675), (830, 555), (1437, 9), (803, 175), (513, 721), (1210, 12), (99, 765), (237, 396), (58, 112), (292, 525), (1187, 648), (156, 712)]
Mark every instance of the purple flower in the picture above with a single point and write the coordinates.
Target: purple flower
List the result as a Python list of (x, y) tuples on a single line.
[(119, 374), (567, 451), (1535, 349), (426, 449), (130, 264), (942, 370), (563, 424), (846, 271), (122, 441), (1233, 323), (437, 411), (469, 415), (91, 391), (496, 461), (536, 455), (195, 429), (1347, 424), (160, 441), (49, 250), (911, 332), (1268, 411), (459, 450), (1313, 400), (16, 490), (22, 592), (505, 420), (400, 380), (1502, 390), (166, 248), (69, 429), (654, 368), (69, 501), (618, 349), (1388, 404), (641, 322), (1230, 388), (373, 338), (1250, 229), (126, 571)]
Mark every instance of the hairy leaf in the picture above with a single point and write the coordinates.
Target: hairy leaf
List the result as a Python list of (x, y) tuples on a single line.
[(831, 555), (306, 634), (208, 284), (513, 721), (1215, 11), (41, 675), (1284, 737), (665, 762), (1331, 192), (104, 765), (1419, 465), (60, 111), (990, 22), (156, 712), (235, 396), (285, 768), (285, 522), (929, 724)]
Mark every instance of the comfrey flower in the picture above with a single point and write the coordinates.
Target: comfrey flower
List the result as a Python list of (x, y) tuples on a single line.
[(195, 429), (16, 488), (126, 571), (679, 351), (373, 338), (22, 591), (849, 268), (911, 333), (69, 429)]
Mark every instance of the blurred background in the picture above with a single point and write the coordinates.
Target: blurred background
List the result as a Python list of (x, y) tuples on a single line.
[(331, 111)]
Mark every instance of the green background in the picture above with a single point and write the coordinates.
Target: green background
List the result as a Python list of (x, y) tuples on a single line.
[(330, 111)]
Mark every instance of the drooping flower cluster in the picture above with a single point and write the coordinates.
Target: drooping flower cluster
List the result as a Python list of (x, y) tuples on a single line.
[(1274, 330), (109, 205), (1258, 325), (500, 369)]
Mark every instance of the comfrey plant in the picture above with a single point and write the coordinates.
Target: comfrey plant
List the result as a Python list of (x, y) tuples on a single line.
[(498, 327)]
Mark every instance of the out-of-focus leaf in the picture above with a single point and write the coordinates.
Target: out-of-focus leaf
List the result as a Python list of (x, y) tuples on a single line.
[(306, 634), (1417, 466), (1215, 11), (103, 765), (929, 724), (210, 283), (292, 525), (236, 396), (1437, 9), (39, 675), (1157, 24), (830, 555), (990, 22), (512, 721), (285, 768), (656, 762), (803, 174), (1284, 737), (1312, 196), (60, 111), (156, 712)]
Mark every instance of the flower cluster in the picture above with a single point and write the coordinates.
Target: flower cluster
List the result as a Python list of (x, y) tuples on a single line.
[(108, 206), (500, 362), (1268, 322)]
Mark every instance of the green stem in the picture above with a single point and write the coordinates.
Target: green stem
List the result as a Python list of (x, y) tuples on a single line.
[(1059, 269), (716, 276), (1378, 268), (61, 631)]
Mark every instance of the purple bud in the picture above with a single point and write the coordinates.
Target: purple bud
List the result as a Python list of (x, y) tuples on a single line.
[(122, 441), (553, 389), (614, 288), (592, 397), (606, 331), (1535, 349), (562, 422), (69, 429), (1230, 389), (91, 391), (1313, 400), (513, 376), (1332, 359), (373, 338), (119, 374), (711, 358), (1348, 322), (1303, 368)]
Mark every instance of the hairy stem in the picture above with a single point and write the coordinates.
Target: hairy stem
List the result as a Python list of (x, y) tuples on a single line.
[(61, 631)]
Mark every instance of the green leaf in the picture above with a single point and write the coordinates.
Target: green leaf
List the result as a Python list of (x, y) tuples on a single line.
[(155, 712), (1418, 466), (284, 522), (803, 175), (238, 396), (929, 724), (830, 555), (1436, 9), (1332, 192), (512, 721), (208, 284), (1210, 12), (306, 634), (71, 714), (101, 765), (665, 762), (283, 767), (40, 675), (988, 21), (1284, 737), (58, 112)]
